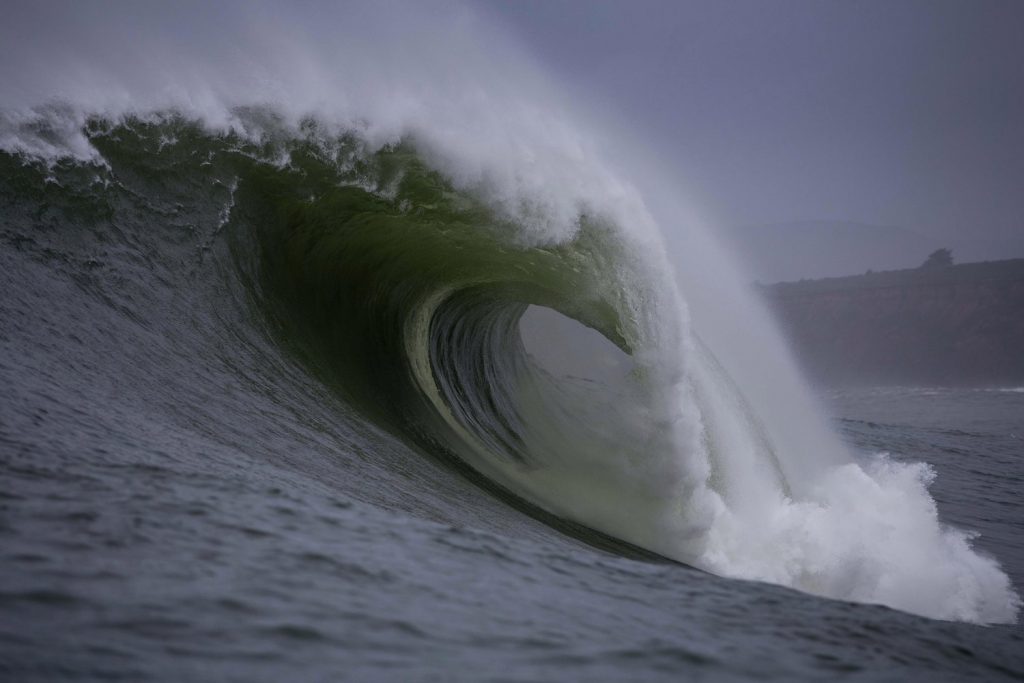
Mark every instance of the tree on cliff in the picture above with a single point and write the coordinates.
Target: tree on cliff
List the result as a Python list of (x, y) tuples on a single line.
[(940, 258)]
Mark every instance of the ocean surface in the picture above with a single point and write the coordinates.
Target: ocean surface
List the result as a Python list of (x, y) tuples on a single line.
[(267, 420)]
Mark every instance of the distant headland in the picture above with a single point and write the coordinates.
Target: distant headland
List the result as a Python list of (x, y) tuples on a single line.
[(939, 324)]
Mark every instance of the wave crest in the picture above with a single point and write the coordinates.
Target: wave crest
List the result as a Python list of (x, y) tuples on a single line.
[(403, 288)]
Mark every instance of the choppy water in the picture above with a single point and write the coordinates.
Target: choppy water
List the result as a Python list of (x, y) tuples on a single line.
[(140, 544)]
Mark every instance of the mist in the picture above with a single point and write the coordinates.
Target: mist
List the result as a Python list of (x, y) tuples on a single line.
[(890, 126)]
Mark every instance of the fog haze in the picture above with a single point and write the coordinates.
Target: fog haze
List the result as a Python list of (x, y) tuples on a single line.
[(894, 115)]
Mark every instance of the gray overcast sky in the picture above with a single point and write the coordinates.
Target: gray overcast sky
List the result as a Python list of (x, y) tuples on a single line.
[(895, 112)]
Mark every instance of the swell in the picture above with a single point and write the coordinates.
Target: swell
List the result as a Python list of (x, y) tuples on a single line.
[(401, 291)]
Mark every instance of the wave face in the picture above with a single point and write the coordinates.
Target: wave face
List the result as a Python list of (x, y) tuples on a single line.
[(394, 253), (404, 294)]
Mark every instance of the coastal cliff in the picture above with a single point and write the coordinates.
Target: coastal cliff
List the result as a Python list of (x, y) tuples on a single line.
[(955, 325)]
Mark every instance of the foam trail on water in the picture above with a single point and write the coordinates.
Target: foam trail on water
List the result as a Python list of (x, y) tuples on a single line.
[(740, 474)]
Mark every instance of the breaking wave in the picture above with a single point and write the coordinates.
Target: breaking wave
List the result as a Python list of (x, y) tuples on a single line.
[(392, 236)]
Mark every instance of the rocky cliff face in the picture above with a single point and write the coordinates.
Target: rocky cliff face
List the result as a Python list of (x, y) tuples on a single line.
[(960, 325)]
